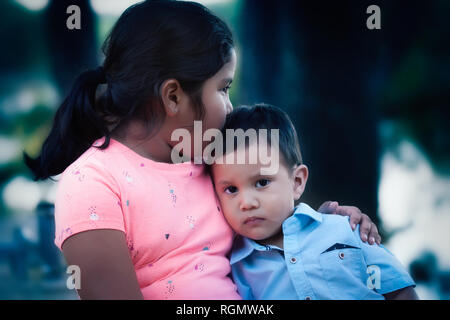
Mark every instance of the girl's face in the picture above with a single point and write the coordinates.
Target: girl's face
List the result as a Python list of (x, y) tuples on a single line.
[(216, 103), (215, 95)]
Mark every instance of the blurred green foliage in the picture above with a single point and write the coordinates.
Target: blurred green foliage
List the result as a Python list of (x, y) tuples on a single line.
[(413, 85)]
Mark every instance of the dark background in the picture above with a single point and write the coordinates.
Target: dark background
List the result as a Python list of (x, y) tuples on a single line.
[(371, 108)]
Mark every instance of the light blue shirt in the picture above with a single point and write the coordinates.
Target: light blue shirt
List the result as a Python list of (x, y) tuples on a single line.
[(322, 259)]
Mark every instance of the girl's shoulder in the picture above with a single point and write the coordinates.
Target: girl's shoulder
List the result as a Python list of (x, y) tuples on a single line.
[(96, 162), (119, 167)]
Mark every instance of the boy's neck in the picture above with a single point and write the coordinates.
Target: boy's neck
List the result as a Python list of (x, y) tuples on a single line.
[(277, 239)]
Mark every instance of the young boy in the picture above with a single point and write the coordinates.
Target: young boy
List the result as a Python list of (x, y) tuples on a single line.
[(293, 252)]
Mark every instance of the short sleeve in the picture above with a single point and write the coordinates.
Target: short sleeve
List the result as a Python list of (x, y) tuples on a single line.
[(87, 199), (383, 264)]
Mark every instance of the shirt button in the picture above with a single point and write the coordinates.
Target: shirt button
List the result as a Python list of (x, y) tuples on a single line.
[(293, 260), (307, 298), (341, 255)]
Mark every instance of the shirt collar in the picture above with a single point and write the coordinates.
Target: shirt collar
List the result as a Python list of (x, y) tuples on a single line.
[(243, 247), (303, 210)]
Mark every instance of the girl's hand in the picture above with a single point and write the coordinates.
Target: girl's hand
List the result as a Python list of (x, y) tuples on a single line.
[(368, 230)]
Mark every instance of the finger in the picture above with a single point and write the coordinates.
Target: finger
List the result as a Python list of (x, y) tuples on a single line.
[(373, 235), (364, 229), (378, 239), (324, 206), (328, 207), (348, 210), (353, 212)]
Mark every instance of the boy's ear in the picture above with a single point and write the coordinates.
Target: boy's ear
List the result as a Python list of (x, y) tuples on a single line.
[(300, 175), (172, 95)]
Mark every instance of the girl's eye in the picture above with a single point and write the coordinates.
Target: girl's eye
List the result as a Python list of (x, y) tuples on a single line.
[(262, 183), (230, 190), (225, 90)]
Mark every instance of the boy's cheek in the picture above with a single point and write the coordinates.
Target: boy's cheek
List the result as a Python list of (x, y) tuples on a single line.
[(224, 206), (227, 213)]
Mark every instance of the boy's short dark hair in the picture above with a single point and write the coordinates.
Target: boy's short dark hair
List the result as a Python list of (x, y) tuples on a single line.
[(265, 116)]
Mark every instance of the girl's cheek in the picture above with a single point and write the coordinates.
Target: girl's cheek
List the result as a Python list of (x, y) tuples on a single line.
[(213, 114), (223, 112), (217, 119)]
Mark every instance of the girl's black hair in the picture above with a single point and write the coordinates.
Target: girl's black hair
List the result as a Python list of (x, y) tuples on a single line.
[(151, 42)]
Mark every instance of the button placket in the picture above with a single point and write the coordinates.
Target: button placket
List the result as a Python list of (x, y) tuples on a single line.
[(294, 263)]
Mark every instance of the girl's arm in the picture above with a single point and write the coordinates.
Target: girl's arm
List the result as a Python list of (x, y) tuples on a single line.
[(407, 293), (107, 271), (368, 230)]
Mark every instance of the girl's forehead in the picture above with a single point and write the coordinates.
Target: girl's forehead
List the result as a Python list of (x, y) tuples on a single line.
[(228, 69)]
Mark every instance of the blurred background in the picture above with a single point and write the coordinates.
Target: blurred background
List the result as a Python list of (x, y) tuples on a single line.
[(371, 107)]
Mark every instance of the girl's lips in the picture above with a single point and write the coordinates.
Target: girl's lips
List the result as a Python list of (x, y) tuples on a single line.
[(253, 220)]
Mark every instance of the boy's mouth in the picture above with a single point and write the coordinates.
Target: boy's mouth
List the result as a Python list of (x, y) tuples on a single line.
[(253, 221)]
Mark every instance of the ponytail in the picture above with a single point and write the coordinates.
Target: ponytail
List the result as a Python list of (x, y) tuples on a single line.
[(76, 126), (175, 39)]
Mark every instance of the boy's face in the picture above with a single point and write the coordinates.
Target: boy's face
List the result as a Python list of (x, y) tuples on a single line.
[(256, 205)]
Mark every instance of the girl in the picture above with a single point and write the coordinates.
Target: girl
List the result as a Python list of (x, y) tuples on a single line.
[(137, 225)]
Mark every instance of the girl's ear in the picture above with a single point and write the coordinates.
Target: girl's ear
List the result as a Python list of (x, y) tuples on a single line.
[(172, 95), (300, 175)]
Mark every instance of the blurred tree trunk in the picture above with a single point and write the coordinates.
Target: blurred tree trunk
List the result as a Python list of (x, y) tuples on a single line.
[(316, 60), (71, 51)]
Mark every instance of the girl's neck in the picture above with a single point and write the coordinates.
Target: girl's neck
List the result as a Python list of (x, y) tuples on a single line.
[(152, 146)]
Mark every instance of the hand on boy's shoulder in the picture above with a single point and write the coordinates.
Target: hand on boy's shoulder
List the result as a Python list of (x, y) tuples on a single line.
[(339, 223), (368, 230), (339, 227)]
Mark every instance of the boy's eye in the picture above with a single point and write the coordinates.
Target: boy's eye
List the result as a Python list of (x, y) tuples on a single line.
[(230, 189), (262, 183)]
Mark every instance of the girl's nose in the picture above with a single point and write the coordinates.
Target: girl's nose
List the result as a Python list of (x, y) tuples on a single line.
[(229, 106)]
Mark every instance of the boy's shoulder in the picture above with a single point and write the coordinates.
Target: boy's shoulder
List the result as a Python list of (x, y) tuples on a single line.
[(318, 232), (336, 227), (342, 223), (336, 220)]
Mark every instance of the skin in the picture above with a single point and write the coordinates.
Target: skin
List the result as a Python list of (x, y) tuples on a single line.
[(256, 205), (112, 278), (179, 114), (407, 293), (107, 271)]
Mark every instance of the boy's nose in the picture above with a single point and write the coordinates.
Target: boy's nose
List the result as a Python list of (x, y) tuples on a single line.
[(248, 202)]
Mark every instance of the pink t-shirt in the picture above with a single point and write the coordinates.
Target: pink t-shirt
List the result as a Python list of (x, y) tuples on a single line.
[(176, 233)]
